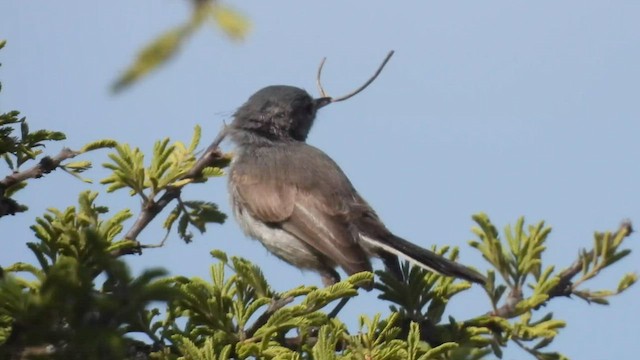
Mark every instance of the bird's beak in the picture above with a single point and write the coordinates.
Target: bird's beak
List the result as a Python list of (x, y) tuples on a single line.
[(321, 102)]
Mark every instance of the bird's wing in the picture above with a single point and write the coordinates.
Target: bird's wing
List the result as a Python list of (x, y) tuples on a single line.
[(308, 197), (318, 225), (268, 201)]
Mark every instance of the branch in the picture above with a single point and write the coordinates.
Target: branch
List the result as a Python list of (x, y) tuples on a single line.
[(323, 93), (46, 165), (211, 157), (507, 310), (565, 287)]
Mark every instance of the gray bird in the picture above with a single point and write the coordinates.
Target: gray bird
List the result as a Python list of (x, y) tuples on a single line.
[(299, 204)]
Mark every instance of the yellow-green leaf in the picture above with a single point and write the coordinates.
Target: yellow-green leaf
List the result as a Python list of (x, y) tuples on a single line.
[(153, 55), (235, 25)]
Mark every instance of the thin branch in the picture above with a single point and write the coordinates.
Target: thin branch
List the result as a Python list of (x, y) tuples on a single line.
[(323, 93), (46, 165), (565, 286), (507, 310), (158, 245)]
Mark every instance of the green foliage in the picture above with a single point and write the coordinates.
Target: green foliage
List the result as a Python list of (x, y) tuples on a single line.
[(219, 322), (606, 251), (16, 150), (167, 45), (166, 174), (520, 260), (424, 295), (80, 300)]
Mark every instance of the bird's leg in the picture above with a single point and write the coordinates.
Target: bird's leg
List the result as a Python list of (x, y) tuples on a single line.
[(331, 277), (338, 307)]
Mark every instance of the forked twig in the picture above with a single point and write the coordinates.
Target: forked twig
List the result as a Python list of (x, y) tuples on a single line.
[(323, 93), (318, 76)]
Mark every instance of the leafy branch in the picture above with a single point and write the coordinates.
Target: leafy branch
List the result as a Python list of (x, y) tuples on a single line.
[(521, 260), (172, 167), (236, 314), (63, 311)]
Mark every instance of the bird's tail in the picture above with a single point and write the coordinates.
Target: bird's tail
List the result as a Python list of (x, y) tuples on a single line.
[(426, 259)]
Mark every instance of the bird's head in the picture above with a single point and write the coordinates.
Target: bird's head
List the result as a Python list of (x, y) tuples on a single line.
[(278, 113)]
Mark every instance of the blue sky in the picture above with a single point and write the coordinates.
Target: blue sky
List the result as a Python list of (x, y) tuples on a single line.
[(511, 108)]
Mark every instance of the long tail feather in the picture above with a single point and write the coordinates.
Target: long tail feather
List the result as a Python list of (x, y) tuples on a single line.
[(426, 259)]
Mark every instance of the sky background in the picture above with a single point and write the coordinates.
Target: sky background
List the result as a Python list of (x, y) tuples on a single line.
[(506, 107)]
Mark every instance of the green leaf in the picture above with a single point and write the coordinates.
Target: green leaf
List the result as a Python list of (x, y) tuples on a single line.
[(612, 259), (441, 350), (627, 281), (78, 166), (182, 228), (235, 25), (212, 172), (220, 255), (173, 216), (38, 136), (195, 140), (158, 52), (14, 189), (325, 347), (100, 144), (20, 266)]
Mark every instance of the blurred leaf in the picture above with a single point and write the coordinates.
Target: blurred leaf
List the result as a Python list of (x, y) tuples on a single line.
[(627, 281), (152, 56), (235, 25), (15, 188), (78, 166), (35, 138)]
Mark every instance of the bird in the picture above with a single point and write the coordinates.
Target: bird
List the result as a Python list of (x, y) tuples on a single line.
[(299, 203)]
